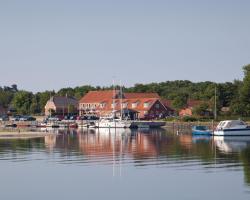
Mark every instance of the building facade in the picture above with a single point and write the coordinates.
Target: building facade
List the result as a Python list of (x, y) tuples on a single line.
[(131, 105), (61, 106)]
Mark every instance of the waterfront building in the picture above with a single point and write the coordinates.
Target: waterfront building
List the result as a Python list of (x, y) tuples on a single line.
[(132, 105), (61, 106)]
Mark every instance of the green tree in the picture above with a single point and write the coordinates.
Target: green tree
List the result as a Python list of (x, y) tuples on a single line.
[(22, 102), (180, 101), (35, 107), (245, 91), (201, 110)]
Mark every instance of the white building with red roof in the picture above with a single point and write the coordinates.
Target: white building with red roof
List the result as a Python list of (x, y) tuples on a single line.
[(133, 105)]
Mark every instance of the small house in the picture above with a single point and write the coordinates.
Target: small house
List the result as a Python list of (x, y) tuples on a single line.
[(61, 106)]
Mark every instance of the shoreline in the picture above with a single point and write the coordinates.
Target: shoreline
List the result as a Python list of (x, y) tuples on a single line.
[(22, 135)]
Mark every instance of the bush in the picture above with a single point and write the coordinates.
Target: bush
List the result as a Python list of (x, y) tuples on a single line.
[(189, 119)]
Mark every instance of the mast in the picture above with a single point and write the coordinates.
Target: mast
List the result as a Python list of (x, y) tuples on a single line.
[(215, 103), (113, 99), (121, 99)]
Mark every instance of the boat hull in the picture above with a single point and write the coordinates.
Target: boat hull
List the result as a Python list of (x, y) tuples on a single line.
[(113, 124), (232, 132), (196, 132)]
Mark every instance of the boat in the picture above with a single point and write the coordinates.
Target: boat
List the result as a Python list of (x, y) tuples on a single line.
[(112, 122), (201, 130), (232, 128)]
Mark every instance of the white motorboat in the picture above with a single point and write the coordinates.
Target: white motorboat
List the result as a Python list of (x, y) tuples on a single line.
[(112, 123), (232, 128)]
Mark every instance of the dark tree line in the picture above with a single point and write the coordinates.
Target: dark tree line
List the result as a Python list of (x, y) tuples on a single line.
[(235, 95)]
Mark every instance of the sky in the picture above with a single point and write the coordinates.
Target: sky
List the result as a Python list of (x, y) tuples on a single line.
[(51, 44)]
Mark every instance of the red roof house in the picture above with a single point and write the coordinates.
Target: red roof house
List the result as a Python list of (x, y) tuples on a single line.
[(136, 105)]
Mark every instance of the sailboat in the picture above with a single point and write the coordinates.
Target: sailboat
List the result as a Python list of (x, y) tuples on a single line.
[(111, 121)]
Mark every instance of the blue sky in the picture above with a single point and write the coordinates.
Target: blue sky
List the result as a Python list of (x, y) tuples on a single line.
[(54, 44)]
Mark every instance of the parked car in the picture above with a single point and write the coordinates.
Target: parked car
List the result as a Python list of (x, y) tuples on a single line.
[(4, 118), (53, 119), (15, 118), (88, 117), (27, 118)]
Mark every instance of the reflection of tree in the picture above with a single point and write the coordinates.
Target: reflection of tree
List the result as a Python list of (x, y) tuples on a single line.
[(21, 144), (245, 158)]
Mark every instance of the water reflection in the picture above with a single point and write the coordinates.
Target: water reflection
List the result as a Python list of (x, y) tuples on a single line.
[(139, 148)]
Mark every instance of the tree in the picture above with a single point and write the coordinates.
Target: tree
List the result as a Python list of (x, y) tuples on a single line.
[(22, 102), (35, 107), (180, 101), (245, 91), (201, 110)]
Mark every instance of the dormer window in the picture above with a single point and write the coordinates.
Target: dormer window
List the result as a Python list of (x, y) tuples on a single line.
[(102, 105), (125, 105), (135, 104), (146, 104)]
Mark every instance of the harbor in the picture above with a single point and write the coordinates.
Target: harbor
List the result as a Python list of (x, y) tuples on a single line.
[(124, 156)]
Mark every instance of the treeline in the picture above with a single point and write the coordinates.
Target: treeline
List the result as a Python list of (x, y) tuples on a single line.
[(235, 95)]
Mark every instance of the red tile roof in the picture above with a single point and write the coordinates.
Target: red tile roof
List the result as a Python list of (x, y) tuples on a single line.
[(101, 96), (97, 96), (141, 95)]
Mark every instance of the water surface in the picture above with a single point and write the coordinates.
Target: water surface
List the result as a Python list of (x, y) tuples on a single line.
[(137, 164)]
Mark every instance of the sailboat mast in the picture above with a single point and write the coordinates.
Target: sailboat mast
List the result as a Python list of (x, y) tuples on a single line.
[(113, 99), (121, 99), (215, 103)]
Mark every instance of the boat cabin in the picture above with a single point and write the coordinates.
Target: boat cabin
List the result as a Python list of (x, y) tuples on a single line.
[(231, 124)]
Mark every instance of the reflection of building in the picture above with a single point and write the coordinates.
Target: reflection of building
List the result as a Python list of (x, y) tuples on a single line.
[(50, 141), (134, 105), (61, 105), (107, 144)]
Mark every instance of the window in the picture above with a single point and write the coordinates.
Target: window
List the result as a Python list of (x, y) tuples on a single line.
[(146, 105), (157, 106), (134, 105), (124, 105), (102, 105)]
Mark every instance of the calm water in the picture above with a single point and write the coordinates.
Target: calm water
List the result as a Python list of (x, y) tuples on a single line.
[(141, 164)]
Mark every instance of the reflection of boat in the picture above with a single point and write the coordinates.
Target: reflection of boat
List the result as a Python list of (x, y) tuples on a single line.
[(201, 130), (232, 144), (201, 138), (232, 128)]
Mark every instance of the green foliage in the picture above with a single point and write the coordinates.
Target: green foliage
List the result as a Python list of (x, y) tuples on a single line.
[(201, 110), (180, 101), (22, 102), (235, 95), (189, 119), (243, 104), (7, 94)]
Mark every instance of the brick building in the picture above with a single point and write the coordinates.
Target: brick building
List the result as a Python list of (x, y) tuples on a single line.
[(132, 105), (61, 106)]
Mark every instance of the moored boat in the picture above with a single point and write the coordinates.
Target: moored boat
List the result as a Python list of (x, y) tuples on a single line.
[(112, 123), (232, 128), (201, 130)]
